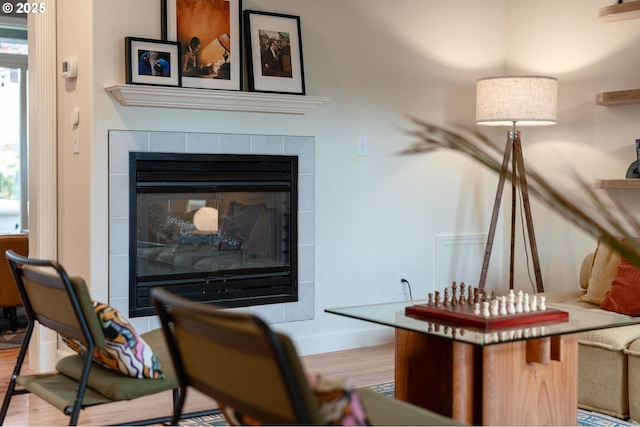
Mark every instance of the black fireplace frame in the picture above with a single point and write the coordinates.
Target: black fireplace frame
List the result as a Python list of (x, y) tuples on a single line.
[(155, 171)]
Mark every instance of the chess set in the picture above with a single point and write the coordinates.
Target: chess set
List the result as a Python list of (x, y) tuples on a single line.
[(475, 307)]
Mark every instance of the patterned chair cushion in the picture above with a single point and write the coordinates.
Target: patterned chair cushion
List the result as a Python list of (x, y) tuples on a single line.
[(124, 351), (337, 402)]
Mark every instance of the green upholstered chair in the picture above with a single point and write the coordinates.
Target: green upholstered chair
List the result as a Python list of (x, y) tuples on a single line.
[(236, 359), (63, 304)]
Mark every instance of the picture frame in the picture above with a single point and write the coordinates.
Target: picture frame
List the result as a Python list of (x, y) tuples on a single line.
[(152, 62), (214, 26), (268, 68)]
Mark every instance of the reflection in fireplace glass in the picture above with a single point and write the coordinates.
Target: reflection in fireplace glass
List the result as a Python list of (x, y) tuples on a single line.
[(214, 232)]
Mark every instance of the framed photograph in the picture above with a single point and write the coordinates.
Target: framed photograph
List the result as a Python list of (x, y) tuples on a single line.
[(211, 39), (274, 52), (152, 62)]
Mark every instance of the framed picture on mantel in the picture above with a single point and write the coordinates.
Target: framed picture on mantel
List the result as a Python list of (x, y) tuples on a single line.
[(152, 62), (274, 52), (210, 36)]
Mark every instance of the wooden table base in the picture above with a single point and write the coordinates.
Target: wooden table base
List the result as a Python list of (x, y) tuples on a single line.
[(533, 382)]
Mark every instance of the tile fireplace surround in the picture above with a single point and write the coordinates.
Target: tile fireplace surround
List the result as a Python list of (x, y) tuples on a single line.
[(123, 142)]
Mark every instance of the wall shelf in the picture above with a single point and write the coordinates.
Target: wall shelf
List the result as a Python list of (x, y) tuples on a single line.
[(205, 99), (620, 97), (620, 12), (614, 13), (621, 184)]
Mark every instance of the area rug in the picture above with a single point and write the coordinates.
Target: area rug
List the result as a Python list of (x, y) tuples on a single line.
[(585, 418), (208, 420), (9, 339)]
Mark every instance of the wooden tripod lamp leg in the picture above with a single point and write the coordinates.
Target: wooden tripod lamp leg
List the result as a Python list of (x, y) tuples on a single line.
[(522, 176), (514, 183), (496, 211)]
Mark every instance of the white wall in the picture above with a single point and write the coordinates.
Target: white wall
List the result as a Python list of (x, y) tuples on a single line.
[(379, 61)]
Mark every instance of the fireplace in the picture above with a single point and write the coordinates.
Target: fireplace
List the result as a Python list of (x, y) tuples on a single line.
[(297, 249), (215, 228)]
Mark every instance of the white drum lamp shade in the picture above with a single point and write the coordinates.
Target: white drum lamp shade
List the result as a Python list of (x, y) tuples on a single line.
[(525, 100)]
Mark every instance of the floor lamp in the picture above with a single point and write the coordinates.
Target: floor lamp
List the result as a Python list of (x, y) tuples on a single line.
[(507, 101)]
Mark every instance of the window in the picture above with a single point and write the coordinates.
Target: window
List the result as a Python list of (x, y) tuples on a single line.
[(13, 138)]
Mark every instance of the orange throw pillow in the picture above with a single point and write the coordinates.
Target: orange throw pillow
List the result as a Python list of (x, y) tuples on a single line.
[(624, 296)]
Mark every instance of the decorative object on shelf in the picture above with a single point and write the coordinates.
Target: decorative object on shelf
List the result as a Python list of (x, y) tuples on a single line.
[(505, 101), (634, 168), (152, 62), (210, 35), (274, 52)]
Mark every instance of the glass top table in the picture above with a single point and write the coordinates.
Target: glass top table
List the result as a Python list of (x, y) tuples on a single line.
[(393, 314)]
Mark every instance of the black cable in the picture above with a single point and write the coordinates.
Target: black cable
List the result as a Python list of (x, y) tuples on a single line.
[(409, 286)]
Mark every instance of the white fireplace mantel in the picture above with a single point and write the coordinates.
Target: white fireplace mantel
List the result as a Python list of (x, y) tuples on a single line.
[(204, 99)]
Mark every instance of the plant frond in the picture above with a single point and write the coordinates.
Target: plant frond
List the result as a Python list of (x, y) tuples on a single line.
[(602, 218)]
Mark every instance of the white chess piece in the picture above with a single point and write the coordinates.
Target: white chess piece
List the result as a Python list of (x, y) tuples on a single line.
[(503, 305), (476, 310), (511, 306), (542, 306), (534, 303), (485, 309), (526, 307), (495, 307)]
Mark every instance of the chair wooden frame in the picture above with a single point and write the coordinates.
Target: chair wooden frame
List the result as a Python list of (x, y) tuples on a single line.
[(62, 303)]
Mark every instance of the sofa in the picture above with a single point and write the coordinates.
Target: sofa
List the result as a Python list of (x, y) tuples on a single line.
[(608, 359)]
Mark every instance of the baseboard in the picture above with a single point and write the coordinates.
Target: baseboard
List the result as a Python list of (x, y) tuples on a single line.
[(343, 340)]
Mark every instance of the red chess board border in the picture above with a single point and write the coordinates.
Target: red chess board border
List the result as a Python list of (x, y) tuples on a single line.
[(464, 315)]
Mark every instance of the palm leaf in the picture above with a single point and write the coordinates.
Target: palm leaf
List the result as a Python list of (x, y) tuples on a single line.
[(601, 217)]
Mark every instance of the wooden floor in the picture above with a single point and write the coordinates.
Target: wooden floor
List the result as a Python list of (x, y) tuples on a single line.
[(364, 367)]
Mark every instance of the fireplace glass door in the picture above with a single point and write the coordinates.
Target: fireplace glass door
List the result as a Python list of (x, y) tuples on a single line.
[(216, 233), (213, 228)]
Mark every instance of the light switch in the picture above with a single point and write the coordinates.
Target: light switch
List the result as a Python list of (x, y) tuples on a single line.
[(74, 116)]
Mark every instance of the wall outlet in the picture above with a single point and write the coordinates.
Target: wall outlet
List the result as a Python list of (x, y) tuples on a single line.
[(400, 284)]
